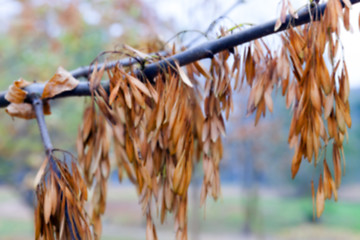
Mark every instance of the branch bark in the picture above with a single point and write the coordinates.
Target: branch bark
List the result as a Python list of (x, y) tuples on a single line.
[(206, 50), (38, 107)]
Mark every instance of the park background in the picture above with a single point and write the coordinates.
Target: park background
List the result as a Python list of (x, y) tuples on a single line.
[(259, 198)]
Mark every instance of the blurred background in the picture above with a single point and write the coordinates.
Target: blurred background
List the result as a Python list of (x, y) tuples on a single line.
[(259, 199)]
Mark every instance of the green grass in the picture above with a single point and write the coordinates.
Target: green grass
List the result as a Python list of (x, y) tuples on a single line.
[(270, 216), (11, 227)]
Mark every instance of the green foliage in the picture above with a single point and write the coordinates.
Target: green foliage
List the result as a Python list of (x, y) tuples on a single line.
[(41, 38)]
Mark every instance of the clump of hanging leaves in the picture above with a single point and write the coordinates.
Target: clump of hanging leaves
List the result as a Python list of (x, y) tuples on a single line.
[(60, 197), (161, 127)]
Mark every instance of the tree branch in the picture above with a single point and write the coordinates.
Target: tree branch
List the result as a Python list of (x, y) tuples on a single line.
[(38, 107), (206, 50), (85, 71)]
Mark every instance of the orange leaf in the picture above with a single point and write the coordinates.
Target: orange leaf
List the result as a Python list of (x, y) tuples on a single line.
[(62, 81)]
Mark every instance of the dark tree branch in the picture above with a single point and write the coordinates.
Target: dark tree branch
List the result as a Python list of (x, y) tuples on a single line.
[(38, 107), (85, 71), (206, 50)]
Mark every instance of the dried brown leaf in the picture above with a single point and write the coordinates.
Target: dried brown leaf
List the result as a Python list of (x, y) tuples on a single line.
[(320, 198), (62, 81), (183, 75), (329, 105), (40, 173), (137, 52), (47, 206), (16, 94), (137, 83), (21, 110)]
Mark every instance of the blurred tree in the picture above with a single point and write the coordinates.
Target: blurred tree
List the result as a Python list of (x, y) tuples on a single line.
[(36, 38)]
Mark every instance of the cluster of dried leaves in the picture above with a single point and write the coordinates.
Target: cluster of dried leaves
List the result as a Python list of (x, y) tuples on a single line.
[(161, 129), (319, 96), (61, 194), (93, 145)]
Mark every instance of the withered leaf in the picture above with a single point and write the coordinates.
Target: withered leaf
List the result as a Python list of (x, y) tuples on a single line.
[(320, 198), (137, 52), (40, 173), (25, 110), (47, 206), (183, 75), (62, 81), (137, 83), (16, 94)]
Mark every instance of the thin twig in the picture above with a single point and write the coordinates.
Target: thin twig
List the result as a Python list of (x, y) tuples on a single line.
[(206, 50), (38, 107)]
